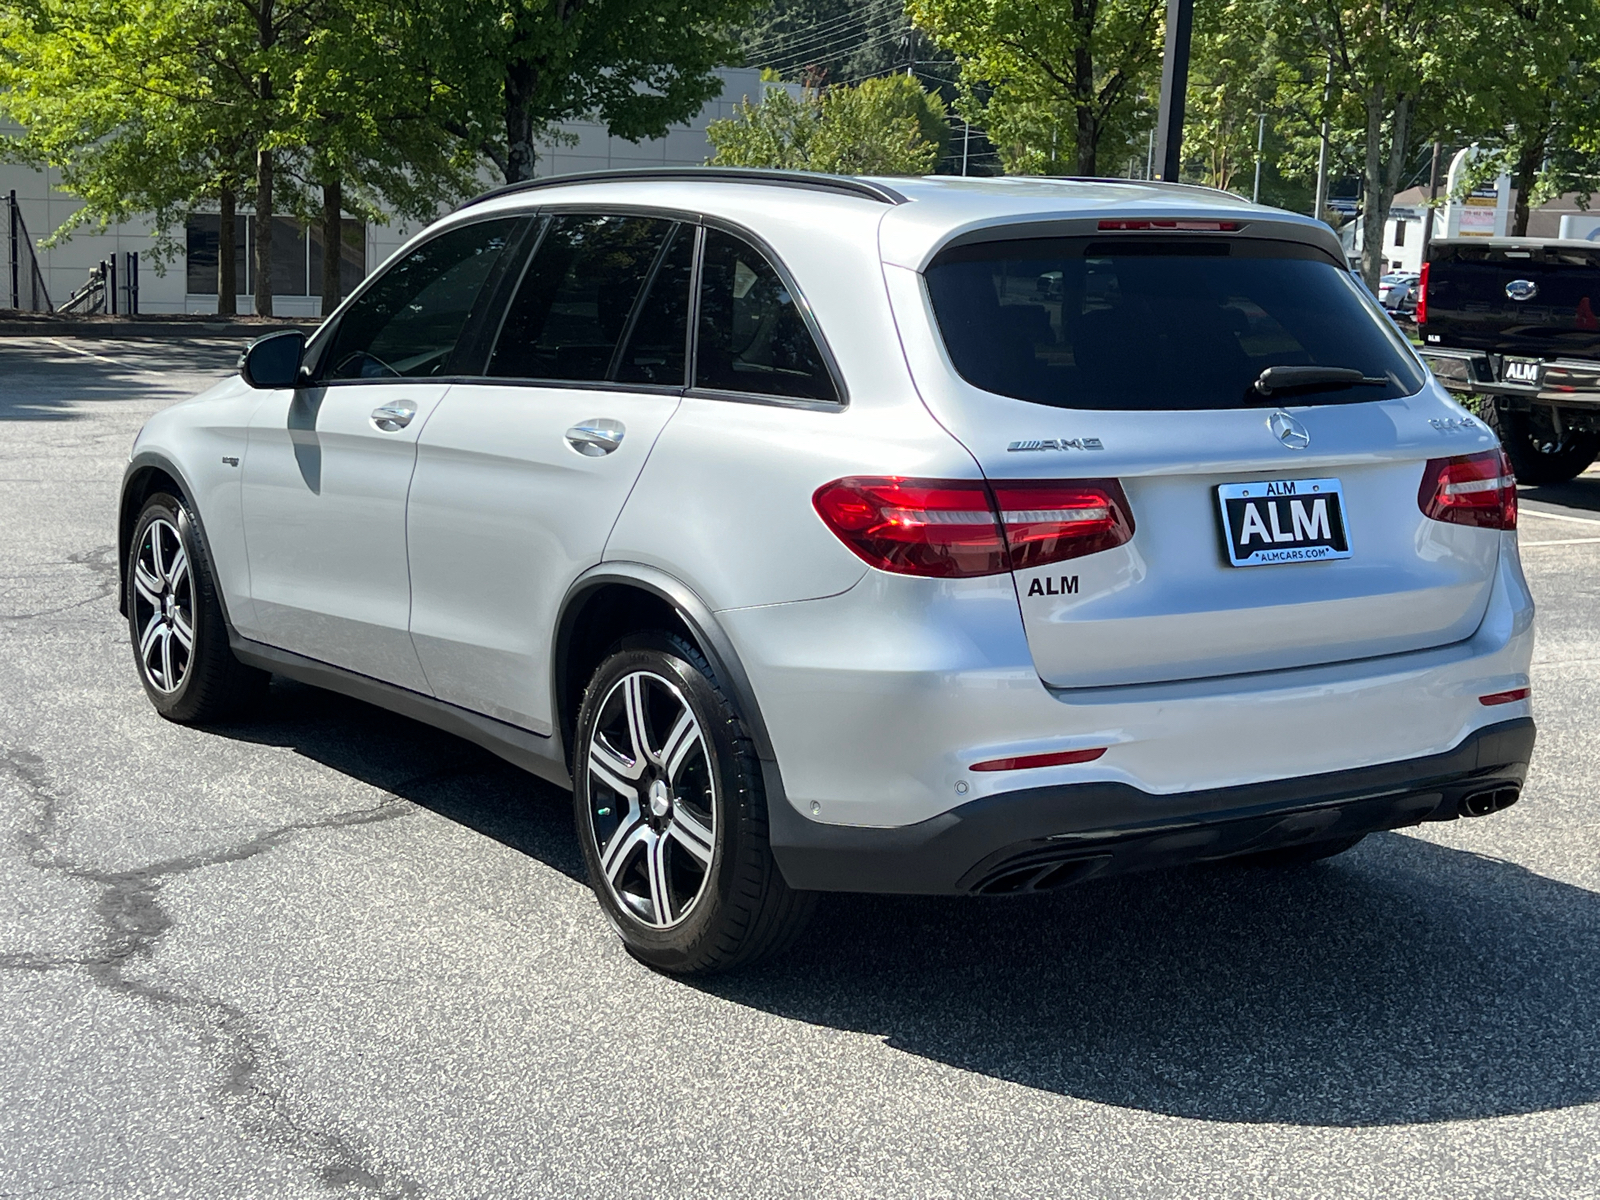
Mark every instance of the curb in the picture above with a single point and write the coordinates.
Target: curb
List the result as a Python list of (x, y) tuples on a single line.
[(141, 328)]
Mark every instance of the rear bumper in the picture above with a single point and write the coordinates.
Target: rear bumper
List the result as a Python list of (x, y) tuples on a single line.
[(1043, 837), (1573, 382)]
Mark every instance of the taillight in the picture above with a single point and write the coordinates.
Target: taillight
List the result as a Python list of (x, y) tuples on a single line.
[(949, 528), (942, 528), (1422, 296), (1048, 522), (1475, 489)]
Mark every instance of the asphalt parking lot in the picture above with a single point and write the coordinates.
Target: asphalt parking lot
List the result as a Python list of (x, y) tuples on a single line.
[(333, 953)]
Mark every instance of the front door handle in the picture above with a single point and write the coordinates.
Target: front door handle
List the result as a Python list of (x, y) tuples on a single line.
[(596, 436), (394, 415)]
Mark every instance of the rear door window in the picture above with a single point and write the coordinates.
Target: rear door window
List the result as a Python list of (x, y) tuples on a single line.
[(410, 320), (580, 295), (753, 335), (1138, 323)]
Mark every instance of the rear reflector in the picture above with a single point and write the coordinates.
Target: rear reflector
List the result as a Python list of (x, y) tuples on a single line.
[(953, 528), (1474, 489), (1060, 758), (1510, 697), (1170, 225)]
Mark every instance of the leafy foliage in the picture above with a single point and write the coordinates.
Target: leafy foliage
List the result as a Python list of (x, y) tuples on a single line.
[(885, 126), (1077, 69)]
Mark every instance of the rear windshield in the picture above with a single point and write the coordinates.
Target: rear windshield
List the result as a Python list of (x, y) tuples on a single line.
[(1136, 323)]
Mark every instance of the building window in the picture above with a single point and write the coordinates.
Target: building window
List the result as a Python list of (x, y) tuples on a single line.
[(296, 256), (1400, 232)]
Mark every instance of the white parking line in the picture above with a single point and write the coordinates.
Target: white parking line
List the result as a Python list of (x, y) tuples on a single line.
[(92, 354), (1594, 541), (1534, 512)]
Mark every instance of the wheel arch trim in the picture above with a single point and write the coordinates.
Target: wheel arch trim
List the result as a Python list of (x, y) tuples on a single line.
[(695, 613), (152, 460)]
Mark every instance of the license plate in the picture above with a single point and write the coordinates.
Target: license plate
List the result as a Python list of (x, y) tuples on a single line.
[(1522, 370), (1283, 521)]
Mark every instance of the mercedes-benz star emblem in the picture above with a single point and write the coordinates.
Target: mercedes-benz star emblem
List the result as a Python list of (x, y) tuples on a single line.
[(1289, 431), (1522, 289)]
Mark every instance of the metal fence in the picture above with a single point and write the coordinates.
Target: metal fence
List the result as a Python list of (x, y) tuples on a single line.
[(27, 289)]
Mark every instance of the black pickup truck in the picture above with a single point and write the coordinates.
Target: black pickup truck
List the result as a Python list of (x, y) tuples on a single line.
[(1515, 324)]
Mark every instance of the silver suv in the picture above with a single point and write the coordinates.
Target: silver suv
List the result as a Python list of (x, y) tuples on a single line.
[(926, 535)]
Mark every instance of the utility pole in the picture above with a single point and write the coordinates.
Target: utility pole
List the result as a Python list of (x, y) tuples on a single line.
[(1150, 153), (16, 251), (1321, 202), (1433, 196), (1261, 137), (966, 142), (1174, 84)]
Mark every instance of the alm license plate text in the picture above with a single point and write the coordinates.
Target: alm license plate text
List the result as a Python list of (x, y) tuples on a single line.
[(1283, 521)]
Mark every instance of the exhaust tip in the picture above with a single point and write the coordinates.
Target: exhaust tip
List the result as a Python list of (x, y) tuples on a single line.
[(1491, 800)]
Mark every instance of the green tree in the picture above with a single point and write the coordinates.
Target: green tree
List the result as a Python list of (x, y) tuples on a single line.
[(154, 107), (1051, 83), (1543, 116), (886, 126), (638, 66)]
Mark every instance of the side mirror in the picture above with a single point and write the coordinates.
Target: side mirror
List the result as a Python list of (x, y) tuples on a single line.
[(273, 361)]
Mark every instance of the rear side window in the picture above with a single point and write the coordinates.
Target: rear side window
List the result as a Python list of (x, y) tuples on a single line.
[(1140, 324), (753, 336), (409, 321), (578, 296)]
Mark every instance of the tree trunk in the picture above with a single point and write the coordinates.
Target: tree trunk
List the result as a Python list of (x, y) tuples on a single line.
[(227, 233), (1375, 210), (1527, 171), (332, 244), (1382, 178), (1083, 99), (520, 152), (263, 246), (266, 35)]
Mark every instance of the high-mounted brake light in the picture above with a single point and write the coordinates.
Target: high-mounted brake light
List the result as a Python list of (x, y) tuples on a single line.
[(1474, 489), (1022, 762), (1422, 296), (1170, 225), (953, 528)]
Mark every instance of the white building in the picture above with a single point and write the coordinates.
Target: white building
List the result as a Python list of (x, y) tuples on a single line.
[(189, 284)]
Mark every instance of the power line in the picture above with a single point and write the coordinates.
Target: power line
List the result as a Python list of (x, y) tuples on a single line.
[(853, 44), (826, 31)]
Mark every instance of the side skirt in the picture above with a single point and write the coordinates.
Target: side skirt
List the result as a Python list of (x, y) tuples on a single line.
[(532, 752)]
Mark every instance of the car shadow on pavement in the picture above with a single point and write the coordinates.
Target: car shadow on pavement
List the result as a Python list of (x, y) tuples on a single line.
[(1582, 492), (1404, 982), (434, 770)]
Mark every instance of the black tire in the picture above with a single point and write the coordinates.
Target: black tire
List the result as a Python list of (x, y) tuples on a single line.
[(1296, 856), (717, 909), (1537, 452), (201, 682)]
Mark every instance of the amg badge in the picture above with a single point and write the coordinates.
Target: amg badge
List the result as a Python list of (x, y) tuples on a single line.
[(1056, 444)]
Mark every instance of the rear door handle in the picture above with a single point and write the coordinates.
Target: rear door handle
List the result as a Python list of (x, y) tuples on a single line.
[(394, 415), (596, 437)]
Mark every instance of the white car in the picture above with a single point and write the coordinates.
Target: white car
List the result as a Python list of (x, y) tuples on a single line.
[(815, 545)]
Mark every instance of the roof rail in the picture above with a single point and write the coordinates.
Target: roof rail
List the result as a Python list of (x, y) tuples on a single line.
[(842, 184)]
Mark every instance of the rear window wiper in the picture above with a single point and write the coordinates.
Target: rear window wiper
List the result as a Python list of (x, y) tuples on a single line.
[(1284, 379)]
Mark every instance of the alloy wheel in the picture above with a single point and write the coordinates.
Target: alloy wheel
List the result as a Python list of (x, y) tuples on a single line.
[(651, 799), (163, 601)]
